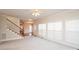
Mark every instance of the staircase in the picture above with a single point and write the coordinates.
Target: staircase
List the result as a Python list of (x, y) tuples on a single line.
[(11, 35), (11, 32)]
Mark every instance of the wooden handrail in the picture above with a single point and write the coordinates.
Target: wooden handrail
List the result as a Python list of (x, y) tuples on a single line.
[(13, 31), (13, 23)]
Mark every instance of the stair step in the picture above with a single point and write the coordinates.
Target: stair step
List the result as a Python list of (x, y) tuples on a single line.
[(11, 34)]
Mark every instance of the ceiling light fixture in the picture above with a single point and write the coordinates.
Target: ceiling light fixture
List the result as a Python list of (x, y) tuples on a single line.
[(36, 13)]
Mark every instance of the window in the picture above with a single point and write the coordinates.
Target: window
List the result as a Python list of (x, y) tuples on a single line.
[(50, 26), (42, 26), (72, 31), (55, 30), (42, 29), (58, 26), (30, 28), (50, 33), (55, 26), (72, 25)]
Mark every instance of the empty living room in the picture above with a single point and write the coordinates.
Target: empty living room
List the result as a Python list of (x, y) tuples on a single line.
[(39, 29)]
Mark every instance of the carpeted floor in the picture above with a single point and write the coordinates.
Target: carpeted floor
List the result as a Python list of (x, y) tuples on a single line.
[(32, 43)]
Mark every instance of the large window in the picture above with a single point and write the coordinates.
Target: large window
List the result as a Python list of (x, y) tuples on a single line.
[(72, 25), (50, 32), (62, 31), (50, 26), (54, 30), (30, 30), (42, 30), (57, 26), (72, 31)]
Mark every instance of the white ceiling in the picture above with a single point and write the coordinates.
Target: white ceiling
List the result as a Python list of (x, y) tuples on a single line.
[(26, 14)]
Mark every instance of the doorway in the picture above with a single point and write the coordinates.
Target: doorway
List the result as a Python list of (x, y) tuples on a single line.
[(30, 30)]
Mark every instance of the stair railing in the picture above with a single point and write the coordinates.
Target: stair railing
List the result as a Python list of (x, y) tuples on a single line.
[(13, 27)]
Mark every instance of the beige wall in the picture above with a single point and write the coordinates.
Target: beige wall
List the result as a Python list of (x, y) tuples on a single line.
[(2, 28), (26, 28)]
